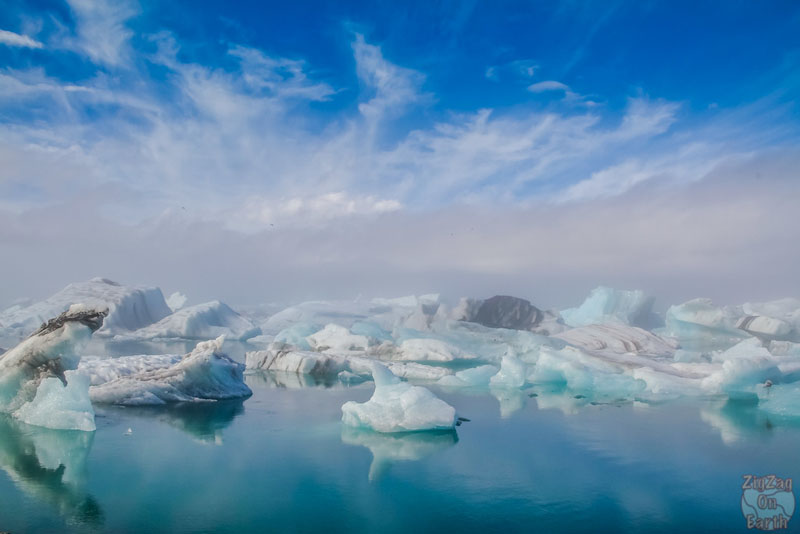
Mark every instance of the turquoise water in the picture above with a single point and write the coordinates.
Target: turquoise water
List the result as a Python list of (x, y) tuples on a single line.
[(537, 460)]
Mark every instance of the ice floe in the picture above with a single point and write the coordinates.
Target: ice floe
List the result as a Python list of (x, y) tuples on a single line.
[(202, 321), (398, 406), (607, 305)]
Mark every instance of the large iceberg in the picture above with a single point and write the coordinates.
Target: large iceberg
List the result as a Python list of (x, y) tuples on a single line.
[(607, 305), (35, 383), (129, 308), (398, 406), (205, 374), (618, 339), (203, 321)]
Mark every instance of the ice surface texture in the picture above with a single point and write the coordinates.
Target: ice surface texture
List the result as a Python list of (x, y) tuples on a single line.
[(398, 406)]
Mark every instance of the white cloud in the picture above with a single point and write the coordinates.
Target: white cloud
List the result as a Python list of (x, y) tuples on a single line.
[(547, 85), (102, 33), (15, 39)]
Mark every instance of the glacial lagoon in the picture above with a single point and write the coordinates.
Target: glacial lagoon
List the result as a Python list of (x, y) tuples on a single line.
[(537, 459)]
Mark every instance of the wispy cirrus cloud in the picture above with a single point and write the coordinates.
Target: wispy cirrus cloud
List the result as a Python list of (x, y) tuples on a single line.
[(14, 39)]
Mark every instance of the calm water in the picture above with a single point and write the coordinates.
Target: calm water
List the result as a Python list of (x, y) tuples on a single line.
[(281, 461)]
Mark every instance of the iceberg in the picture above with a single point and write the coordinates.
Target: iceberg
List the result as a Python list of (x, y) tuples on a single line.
[(607, 305), (699, 318), (34, 381), (513, 373), (503, 311), (284, 357), (205, 374), (203, 321), (398, 406), (337, 338), (129, 308)]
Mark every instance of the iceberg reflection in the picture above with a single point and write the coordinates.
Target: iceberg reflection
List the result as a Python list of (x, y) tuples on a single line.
[(50, 466), (387, 449)]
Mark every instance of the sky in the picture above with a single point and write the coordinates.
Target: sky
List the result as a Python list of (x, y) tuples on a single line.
[(262, 151)]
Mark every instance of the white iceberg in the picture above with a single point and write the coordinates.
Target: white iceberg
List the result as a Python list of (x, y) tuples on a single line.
[(203, 321), (337, 338), (607, 305), (284, 357), (35, 380), (204, 374), (398, 406), (129, 308), (699, 318), (513, 373)]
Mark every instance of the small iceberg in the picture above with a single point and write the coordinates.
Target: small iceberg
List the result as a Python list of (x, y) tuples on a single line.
[(398, 406), (205, 374)]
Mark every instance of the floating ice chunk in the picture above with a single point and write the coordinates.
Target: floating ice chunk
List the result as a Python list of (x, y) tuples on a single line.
[(296, 335), (40, 363), (607, 305), (283, 357), (700, 318), (745, 366), (512, 374), (398, 406), (337, 338), (426, 349), (387, 449), (410, 301), (59, 406), (129, 308), (206, 373), (176, 301), (203, 321), (475, 377), (618, 339)]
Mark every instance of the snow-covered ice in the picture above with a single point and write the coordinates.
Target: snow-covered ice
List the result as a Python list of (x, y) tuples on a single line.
[(398, 406)]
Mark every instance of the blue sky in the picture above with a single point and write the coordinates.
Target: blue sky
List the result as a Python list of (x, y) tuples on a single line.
[(377, 147)]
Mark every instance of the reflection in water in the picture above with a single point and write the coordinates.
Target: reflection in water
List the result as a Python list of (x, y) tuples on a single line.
[(287, 380), (737, 421), (204, 421), (389, 448), (50, 466), (511, 400)]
